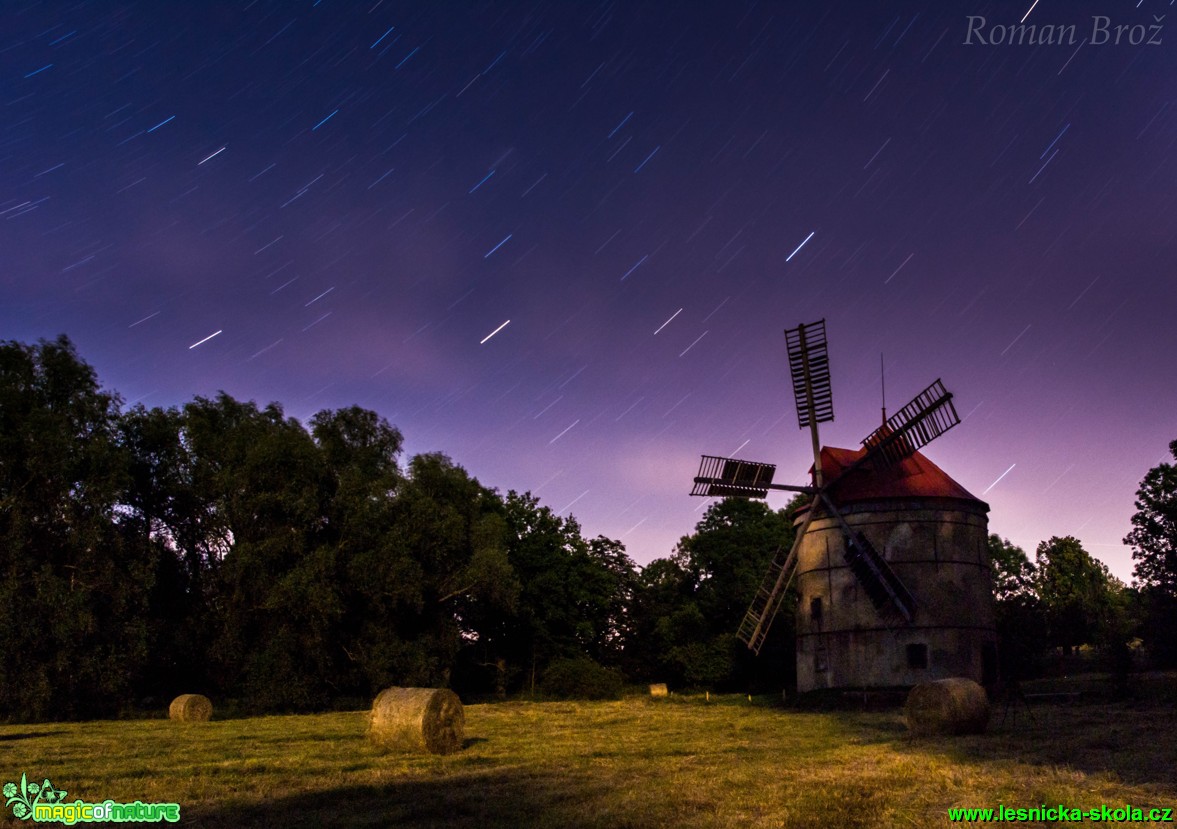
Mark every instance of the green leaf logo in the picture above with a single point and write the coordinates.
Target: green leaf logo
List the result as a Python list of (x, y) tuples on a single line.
[(22, 799), (51, 795)]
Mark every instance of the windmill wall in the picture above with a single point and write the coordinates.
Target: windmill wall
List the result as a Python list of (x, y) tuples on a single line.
[(939, 550)]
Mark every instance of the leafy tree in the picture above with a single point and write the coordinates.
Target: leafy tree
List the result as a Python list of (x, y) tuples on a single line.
[(550, 558), (662, 589), (618, 582), (264, 486), (572, 600), (73, 609), (1013, 572), (1154, 529), (1076, 592), (160, 494), (169, 520), (692, 605), (223, 546), (1154, 548), (361, 452), (1021, 622), (438, 572)]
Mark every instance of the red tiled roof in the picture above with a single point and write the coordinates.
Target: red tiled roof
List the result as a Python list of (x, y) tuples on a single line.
[(913, 477)]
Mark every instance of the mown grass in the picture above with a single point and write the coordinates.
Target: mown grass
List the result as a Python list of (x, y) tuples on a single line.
[(634, 763)]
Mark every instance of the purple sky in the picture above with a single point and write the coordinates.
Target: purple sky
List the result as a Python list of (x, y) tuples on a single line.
[(354, 195)]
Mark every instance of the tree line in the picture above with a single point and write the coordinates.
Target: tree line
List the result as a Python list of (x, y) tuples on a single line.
[(224, 548), (1066, 600)]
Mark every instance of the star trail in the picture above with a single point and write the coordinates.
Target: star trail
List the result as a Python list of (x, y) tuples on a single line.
[(329, 203)]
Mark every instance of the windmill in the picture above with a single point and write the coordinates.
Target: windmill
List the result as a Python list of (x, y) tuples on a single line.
[(890, 492)]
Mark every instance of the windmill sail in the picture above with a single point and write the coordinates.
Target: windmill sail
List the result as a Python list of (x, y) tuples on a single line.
[(929, 415), (921, 421), (809, 365), (721, 477), (763, 610), (882, 586), (887, 593)]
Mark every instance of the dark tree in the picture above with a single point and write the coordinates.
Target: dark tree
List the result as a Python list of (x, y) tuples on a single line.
[(73, 598), (1021, 621), (618, 581), (1013, 572), (1154, 548), (691, 607), (264, 488), (360, 451), (223, 548), (662, 589), (1076, 593), (1154, 528), (428, 583), (169, 521), (572, 600)]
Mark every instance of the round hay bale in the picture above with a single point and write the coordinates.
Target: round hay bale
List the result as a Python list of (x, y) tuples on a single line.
[(191, 708), (658, 689), (947, 706), (417, 720)]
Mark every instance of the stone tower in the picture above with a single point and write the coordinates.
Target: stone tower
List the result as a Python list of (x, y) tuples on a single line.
[(934, 535)]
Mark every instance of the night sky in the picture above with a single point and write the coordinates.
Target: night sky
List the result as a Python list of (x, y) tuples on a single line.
[(333, 203)]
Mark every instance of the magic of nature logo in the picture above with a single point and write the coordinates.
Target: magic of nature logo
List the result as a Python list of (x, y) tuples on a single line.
[(45, 803)]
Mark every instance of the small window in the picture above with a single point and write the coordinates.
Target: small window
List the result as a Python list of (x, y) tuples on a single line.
[(917, 656), (815, 608), (820, 663)]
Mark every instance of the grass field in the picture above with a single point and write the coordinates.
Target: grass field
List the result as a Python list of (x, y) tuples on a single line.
[(634, 763)]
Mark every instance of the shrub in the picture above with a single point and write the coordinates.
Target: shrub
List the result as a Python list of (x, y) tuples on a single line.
[(580, 679)]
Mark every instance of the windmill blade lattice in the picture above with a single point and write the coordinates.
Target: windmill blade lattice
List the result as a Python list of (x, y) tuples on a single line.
[(722, 477), (809, 365), (886, 592), (884, 589), (929, 415), (767, 602)]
